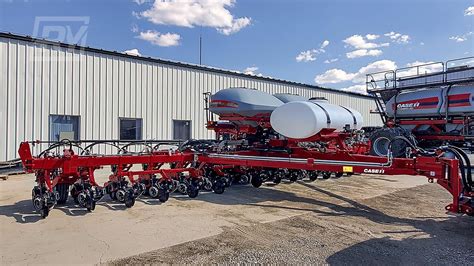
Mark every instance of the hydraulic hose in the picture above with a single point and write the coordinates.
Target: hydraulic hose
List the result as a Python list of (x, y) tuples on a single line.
[(464, 161), (468, 182)]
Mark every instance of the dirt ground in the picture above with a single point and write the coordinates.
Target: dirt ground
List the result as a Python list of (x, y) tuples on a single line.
[(351, 220)]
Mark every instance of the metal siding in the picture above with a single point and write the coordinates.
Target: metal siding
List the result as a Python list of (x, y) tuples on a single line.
[(151, 106), (158, 105), (3, 98), (96, 117), (166, 123), (12, 96), (20, 100), (29, 93)]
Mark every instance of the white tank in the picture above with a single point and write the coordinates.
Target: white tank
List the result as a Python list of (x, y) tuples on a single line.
[(304, 119)]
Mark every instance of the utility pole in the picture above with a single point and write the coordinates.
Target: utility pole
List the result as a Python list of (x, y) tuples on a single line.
[(200, 45), (200, 49)]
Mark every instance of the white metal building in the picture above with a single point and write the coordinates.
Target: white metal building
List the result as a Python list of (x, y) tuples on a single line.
[(51, 90)]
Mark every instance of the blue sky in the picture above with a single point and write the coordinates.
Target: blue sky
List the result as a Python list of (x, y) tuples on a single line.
[(297, 40)]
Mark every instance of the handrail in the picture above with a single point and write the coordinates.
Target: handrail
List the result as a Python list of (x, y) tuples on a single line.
[(392, 78)]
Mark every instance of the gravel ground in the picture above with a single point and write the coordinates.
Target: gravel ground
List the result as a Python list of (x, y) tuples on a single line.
[(403, 227), (362, 219)]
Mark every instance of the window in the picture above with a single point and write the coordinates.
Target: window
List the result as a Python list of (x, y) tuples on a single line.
[(181, 129), (63, 127), (130, 129)]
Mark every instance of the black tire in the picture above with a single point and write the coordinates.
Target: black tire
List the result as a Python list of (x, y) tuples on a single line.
[(218, 187), (163, 195), (63, 191), (192, 191), (339, 174), (326, 175), (293, 177), (153, 192), (381, 138), (256, 181), (90, 205), (313, 176), (73, 193), (129, 200), (44, 212), (277, 180)]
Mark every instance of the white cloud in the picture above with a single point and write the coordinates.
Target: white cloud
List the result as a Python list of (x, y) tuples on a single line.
[(134, 52), (156, 38), (190, 13), (359, 42), (237, 25), (328, 61), (377, 66), (252, 71), (398, 37), (458, 38), (371, 37), (135, 28), (324, 44), (363, 52), (461, 38), (310, 55), (356, 88), (307, 56), (333, 76), (469, 11), (338, 75)]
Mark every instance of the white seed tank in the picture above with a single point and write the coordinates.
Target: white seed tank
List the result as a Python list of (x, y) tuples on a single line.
[(304, 119)]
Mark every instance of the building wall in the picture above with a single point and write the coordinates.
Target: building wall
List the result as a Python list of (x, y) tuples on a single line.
[(38, 79)]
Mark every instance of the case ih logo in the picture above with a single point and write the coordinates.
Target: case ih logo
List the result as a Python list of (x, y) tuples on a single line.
[(408, 105), (374, 171)]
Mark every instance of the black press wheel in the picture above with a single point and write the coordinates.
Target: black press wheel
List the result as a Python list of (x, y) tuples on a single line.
[(192, 191), (129, 199), (277, 180), (256, 181), (313, 176), (74, 194), (44, 211), (326, 175), (153, 191), (163, 195), (63, 191), (218, 187)]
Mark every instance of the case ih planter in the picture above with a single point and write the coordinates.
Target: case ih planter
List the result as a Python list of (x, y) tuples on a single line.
[(247, 149)]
